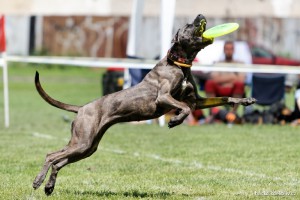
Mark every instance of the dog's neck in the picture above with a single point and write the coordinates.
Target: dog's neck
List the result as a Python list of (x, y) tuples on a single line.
[(180, 57)]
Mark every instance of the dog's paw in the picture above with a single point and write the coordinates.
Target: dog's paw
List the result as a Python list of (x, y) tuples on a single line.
[(243, 101), (36, 185), (174, 122), (248, 101), (171, 124), (37, 182), (49, 190)]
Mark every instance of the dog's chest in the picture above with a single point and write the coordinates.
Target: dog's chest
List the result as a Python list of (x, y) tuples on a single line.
[(186, 88), (184, 84)]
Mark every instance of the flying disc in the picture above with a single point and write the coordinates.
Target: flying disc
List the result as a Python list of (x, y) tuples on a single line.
[(220, 30)]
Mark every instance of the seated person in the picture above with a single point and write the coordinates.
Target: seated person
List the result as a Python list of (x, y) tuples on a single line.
[(293, 116), (226, 83)]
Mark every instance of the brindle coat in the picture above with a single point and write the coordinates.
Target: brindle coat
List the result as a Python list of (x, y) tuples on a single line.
[(167, 86)]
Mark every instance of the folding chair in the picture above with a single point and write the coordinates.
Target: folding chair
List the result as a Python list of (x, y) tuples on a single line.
[(268, 88)]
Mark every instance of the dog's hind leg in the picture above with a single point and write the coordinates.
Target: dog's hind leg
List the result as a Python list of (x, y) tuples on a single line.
[(39, 179), (42, 175), (52, 179), (79, 150), (50, 160), (69, 157), (73, 154)]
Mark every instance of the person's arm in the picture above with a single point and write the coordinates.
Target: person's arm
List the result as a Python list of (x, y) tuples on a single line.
[(298, 103), (297, 97), (225, 77), (241, 77)]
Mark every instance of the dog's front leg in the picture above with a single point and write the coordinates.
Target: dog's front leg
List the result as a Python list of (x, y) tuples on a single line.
[(167, 101), (192, 81), (220, 101)]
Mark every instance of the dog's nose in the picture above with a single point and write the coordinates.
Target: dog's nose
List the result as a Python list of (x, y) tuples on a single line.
[(198, 19), (200, 16)]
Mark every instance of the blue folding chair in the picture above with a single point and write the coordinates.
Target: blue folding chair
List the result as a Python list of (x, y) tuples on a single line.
[(268, 88)]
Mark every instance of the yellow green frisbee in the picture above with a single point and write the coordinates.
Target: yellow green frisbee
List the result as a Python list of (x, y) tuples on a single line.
[(220, 30)]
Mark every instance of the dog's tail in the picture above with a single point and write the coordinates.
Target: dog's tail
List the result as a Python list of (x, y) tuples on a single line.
[(51, 101)]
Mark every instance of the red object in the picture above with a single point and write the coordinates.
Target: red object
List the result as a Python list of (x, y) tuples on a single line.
[(215, 110), (261, 55), (2, 35), (198, 114), (115, 69), (214, 88)]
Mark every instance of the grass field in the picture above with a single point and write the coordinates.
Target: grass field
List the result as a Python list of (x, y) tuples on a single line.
[(139, 161)]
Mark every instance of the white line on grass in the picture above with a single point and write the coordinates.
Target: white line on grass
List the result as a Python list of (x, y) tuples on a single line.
[(46, 136), (195, 164), (198, 165), (41, 135)]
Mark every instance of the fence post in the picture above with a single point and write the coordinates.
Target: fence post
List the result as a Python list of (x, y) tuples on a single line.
[(5, 91)]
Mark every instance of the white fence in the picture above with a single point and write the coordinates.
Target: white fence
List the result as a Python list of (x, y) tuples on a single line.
[(129, 63), (149, 64)]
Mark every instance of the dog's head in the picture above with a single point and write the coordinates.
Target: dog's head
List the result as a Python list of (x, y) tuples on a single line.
[(191, 32), (188, 41)]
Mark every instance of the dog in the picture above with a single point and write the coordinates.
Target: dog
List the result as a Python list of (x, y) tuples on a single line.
[(168, 86)]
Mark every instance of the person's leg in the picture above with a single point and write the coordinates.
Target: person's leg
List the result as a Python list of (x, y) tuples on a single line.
[(212, 90), (238, 91)]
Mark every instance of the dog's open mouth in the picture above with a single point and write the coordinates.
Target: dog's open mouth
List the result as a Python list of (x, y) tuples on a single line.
[(200, 28)]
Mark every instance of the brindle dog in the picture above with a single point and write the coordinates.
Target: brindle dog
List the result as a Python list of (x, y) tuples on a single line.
[(169, 85)]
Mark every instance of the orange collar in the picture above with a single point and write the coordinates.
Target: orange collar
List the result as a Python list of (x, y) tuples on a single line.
[(182, 62)]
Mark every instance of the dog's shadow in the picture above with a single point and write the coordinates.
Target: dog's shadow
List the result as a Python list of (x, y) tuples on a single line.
[(133, 193)]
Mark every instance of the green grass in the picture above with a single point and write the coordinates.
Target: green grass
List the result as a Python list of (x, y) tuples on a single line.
[(139, 161)]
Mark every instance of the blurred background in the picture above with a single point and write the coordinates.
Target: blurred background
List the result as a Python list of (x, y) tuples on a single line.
[(99, 28), (268, 36)]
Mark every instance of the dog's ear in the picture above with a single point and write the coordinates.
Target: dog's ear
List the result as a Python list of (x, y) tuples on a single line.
[(175, 38)]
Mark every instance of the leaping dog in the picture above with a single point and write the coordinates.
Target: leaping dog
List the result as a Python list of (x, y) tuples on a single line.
[(169, 85)]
